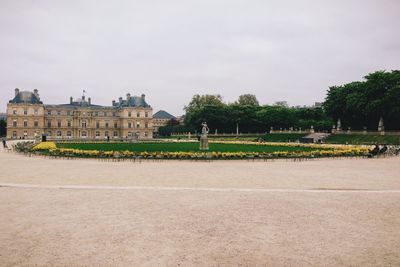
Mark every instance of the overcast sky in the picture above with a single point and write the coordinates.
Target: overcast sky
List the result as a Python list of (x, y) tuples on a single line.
[(171, 50)]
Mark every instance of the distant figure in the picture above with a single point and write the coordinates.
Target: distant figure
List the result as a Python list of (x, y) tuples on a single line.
[(374, 151), (383, 149), (4, 143), (108, 138)]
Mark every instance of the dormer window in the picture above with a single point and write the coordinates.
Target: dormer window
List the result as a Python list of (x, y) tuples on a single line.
[(25, 112)]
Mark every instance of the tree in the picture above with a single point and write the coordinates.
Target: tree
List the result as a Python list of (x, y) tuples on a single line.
[(3, 126), (247, 99), (208, 108), (362, 103)]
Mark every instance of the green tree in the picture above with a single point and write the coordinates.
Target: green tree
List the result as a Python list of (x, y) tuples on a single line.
[(247, 99), (3, 126), (362, 103)]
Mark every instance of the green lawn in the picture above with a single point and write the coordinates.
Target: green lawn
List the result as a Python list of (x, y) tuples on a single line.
[(363, 139), (178, 147), (283, 137), (274, 137)]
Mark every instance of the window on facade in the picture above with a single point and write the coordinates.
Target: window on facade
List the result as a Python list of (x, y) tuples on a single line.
[(138, 114), (14, 123), (145, 134), (113, 114), (106, 124), (69, 134), (84, 134), (68, 113), (97, 124), (138, 125), (129, 133), (14, 111), (25, 112), (146, 114), (129, 114), (36, 112), (146, 125), (106, 133), (58, 113), (97, 133), (49, 112), (48, 123), (96, 113), (115, 133), (83, 124), (36, 124), (25, 123), (59, 123), (129, 125), (69, 123), (59, 133), (115, 125), (105, 114), (14, 134)]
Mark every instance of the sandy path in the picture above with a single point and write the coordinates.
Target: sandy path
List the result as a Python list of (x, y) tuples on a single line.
[(321, 173), (89, 227), (224, 213)]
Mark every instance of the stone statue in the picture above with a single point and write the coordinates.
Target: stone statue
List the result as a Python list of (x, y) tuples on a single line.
[(203, 137), (339, 125), (204, 129)]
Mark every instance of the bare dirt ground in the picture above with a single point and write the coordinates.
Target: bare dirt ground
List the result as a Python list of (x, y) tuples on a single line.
[(222, 213)]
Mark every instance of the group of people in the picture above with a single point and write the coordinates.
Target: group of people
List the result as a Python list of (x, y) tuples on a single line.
[(378, 150)]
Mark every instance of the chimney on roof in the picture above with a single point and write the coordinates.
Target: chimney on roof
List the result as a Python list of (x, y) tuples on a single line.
[(90, 101), (113, 102), (143, 96), (16, 91), (120, 100), (128, 96), (83, 97), (71, 100)]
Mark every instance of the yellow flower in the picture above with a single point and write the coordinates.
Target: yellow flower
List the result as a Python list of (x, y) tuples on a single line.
[(45, 146)]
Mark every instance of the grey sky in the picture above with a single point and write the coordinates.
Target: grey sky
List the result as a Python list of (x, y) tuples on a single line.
[(171, 50)]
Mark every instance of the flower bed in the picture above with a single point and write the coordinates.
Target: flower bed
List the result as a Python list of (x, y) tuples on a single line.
[(300, 151)]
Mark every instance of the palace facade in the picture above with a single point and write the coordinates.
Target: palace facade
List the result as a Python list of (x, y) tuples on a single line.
[(28, 117)]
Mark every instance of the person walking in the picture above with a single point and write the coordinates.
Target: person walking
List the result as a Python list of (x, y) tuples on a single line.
[(4, 143)]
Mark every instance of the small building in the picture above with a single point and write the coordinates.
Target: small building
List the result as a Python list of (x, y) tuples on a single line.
[(162, 118)]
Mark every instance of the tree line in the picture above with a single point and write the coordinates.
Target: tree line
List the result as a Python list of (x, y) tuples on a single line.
[(362, 103), (357, 104)]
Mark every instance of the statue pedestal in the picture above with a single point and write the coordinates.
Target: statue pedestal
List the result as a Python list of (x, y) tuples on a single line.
[(204, 143)]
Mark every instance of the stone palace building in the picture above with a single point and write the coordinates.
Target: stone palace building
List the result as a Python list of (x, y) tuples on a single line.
[(28, 117)]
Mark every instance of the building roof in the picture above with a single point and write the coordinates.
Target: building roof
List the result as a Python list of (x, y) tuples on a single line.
[(134, 101), (162, 114), (26, 97)]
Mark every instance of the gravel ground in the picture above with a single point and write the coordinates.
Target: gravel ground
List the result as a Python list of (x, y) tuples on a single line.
[(183, 213)]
